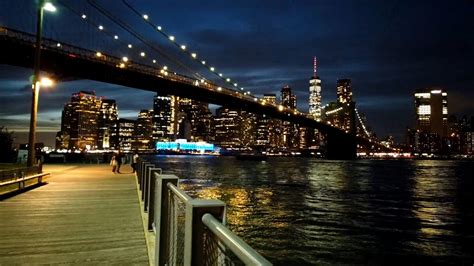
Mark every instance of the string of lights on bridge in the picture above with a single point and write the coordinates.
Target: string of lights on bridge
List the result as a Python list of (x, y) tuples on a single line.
[(334, 111), (115, 37), (364, 128), (362, 124), (182, 47), (164, 69)]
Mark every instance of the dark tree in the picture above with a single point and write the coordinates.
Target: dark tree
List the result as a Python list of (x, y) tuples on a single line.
[(7, 154)]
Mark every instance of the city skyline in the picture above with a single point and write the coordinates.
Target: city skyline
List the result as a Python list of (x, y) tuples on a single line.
[(382, 88)]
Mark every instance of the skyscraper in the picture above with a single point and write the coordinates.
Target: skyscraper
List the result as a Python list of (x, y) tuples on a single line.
[(315, 94), (194, 120), (344, 91), (125, 129), (227, 128), (108, 116), (289, 134), (432, 111), (79, 121), (288, 99), (268, 130), (144, 130), (162, 118)]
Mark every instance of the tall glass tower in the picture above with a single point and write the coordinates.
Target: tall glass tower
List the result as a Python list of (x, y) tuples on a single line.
[(315, 93)]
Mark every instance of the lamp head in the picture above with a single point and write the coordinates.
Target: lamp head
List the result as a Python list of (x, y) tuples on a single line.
[(48, 6)]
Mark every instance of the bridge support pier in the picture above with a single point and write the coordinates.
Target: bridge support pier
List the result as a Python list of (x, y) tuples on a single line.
[(341, 147)]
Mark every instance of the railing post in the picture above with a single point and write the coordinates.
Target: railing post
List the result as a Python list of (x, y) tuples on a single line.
[(194, 228), (144, 176), (139, 176), (155, 174), (148, 187), (162, 199)]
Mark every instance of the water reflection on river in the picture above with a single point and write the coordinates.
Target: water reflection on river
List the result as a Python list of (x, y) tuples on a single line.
[(308, 211)]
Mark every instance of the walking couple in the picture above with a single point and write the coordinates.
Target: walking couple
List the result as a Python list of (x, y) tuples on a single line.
[(116, 162)]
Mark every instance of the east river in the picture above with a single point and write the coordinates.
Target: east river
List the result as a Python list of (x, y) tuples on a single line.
[(298, 211)]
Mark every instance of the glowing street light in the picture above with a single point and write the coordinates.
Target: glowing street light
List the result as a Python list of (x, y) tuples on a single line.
[(46, 82), (48, 6)]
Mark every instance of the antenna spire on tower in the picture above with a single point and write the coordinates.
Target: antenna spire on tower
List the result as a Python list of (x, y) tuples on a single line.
[(315, 67)]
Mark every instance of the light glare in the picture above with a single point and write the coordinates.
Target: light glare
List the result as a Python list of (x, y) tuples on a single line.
[(48, 6), (46, 82)]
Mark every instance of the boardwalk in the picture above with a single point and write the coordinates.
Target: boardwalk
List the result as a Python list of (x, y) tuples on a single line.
[(84, 215)]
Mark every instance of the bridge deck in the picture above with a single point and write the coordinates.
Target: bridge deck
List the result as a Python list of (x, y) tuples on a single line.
[(84, 215)]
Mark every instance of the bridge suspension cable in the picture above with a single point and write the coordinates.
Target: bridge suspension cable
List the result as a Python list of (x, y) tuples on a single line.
[(101, 28), (127, 28), (146, 18), (362, 124), (116, 37)]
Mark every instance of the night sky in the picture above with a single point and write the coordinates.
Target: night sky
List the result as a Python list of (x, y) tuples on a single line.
[(387, 48)]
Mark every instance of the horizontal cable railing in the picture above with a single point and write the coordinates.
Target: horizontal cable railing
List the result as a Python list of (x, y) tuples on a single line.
[(189, 231), (232, 242)]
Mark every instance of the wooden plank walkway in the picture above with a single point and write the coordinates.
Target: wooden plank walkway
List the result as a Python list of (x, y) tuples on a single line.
[(84, 215)]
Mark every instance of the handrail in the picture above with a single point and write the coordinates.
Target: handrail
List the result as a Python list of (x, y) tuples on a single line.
[(178, 192), (22, 179), (241, 249)]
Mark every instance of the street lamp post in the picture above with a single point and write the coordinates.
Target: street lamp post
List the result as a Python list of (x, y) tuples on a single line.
[(36, 80)]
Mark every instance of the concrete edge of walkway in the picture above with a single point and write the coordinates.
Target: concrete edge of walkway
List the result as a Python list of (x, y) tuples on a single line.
[(149, 236)]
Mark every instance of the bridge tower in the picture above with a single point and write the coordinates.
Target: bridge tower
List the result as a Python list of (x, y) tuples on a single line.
[(340, 145)]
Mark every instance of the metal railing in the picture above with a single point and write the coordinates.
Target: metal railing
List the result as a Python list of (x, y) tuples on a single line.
[(189, 231)]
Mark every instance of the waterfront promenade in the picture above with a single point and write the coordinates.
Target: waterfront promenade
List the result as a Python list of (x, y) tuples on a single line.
[(85, 214)]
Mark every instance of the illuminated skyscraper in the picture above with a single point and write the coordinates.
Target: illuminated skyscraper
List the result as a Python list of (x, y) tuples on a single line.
[(125, 129), (315, 94), (162, 118), (194, 120), (144, 130), (289, 134), (227, 128), (288, 99), (267, 129), (79, 121), (432, 111), (344, 91), (108, 116)]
